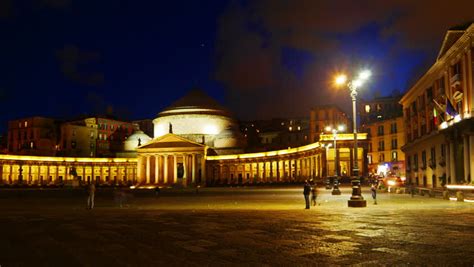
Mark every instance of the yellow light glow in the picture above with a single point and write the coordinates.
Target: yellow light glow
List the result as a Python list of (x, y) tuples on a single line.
[(391, 183), (341, 79), (67, 159), (328, 128), (341, 128), (444, 125), (455, 186)]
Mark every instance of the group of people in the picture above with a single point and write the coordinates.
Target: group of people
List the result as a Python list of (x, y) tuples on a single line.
[(310, 188)]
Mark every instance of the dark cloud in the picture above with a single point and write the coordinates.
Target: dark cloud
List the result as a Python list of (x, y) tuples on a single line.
[(253, 35), (71, 58), (5, 9)]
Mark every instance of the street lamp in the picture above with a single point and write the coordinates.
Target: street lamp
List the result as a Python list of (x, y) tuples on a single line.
[(327, 146), (334, 131), (356, 199)]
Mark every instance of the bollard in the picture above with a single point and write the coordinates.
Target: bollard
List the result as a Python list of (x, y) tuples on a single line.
[(460, 196)]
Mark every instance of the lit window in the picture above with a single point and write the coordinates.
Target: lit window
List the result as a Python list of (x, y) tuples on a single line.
[(367, 108), (26, 124), (92, 134), (32, 144), (299, 128), (290, 128)]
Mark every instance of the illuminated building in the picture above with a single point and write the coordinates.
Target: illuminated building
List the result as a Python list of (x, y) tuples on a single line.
[(386, 137), (438, 113), (323, 116), (201, 146), (32, 136), (379, 109)]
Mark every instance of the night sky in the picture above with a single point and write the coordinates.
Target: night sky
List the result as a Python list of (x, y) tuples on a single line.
[(261, 59)]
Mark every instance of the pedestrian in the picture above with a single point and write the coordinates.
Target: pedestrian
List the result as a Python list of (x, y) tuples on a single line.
[(306, 192), (91, 196), (314, 194), (412, 189), (373, 190)]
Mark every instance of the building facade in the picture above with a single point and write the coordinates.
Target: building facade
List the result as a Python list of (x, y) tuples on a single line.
[(32, 136), (438, 115), (386, 138), (323, 116)]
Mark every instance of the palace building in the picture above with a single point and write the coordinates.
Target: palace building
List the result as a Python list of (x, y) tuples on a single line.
[(196, 142), (438, 115)]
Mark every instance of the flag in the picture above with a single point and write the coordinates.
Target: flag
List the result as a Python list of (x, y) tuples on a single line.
[(450, 110), (435, 116), (438, 105)]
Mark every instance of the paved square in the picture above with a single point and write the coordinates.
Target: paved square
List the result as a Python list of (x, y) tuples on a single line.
[(232, 226)]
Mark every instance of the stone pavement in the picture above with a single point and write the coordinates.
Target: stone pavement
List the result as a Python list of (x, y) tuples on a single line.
[(229, 226)]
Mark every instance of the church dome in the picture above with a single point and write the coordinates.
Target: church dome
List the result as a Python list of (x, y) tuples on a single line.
[(229, 138), (138, 138), (194, 116)]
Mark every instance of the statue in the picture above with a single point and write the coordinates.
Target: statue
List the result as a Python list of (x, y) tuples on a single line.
[(139, 142), (171, 128)]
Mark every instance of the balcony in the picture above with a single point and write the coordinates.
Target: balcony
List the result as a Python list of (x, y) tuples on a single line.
[(455, 80)]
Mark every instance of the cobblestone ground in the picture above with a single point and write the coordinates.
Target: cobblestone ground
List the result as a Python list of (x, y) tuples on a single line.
[(232, 227)]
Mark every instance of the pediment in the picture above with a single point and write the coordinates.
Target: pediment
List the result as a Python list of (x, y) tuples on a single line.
[(170, 141)]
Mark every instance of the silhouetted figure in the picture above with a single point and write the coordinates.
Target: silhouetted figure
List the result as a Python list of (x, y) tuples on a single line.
[(171, 128), (373, 190), (306, 192), (91, 196), (314, 194), (139, 142)]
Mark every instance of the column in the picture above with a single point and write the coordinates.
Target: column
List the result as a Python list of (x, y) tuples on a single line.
[(10, 174), (469, 88), (466, 157), (251, 172), (278, 170), (148, 169), (471, 155), (139, 168), (193, 168), (258, 171), (264, 174), (271, 171), (452, 169), (165, 169), (185, 166), (203, 169), (175, 173), (157, 169)]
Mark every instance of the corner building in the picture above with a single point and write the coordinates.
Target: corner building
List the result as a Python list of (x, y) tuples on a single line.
[(438, 115)]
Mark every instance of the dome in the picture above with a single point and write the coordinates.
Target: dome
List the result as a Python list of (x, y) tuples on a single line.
[(228, 138), (193, 116), (195, 102), (138, 138)]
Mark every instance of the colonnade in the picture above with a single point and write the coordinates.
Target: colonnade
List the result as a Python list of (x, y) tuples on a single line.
[(170, 168), (295, 167), (38, 171)]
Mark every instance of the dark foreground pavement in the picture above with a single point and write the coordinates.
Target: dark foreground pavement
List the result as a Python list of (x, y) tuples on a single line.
[(232, 227)]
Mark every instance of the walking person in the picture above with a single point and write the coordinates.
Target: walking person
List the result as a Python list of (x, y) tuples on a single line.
[(314, 194), (306, 192), (91, 196), (373, 190)]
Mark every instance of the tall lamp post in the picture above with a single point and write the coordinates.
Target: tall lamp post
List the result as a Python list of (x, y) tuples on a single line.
[(327, 146), (335, 190), (356, 200)]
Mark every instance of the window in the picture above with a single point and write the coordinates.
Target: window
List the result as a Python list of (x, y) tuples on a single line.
[(92, 134), (367, 108), (369, 159), (393, 128), (456, 69), (32, 144), (73, 144), (370, 147), (26, 124), (394, 156), (415, 161), (73, 132), (441, 86), (429, 94), (433, 156), (443, 150), (394, 143), (381, 158), (381, 145), (380, 130), (100, 136)]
